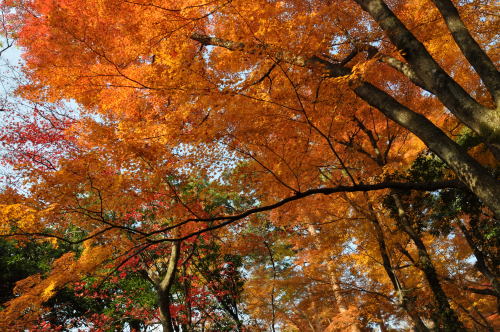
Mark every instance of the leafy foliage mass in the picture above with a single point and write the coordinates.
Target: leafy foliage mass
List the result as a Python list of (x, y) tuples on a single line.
[(234, 165)]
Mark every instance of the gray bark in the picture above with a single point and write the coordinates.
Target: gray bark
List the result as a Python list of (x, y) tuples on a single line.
[(485, 122), (470, 172), (163, 288), (470, 48)]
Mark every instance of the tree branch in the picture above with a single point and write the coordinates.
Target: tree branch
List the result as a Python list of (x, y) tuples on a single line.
[(278, 54), (483, 121), (470, 49), (406, 70), (226, 220), (473, 174)]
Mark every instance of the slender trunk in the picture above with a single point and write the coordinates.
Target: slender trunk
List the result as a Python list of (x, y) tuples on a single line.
[(447, 316), (336, 290), (273, 309), (164, 287), (405, 301), (339, 298), (481, 263), (382, 326), (189, 309)]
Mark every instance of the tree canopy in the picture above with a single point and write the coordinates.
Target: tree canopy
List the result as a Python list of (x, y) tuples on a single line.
[(269, 165)]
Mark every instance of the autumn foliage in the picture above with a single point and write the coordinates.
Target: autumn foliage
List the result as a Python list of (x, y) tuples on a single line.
[(256, 165)]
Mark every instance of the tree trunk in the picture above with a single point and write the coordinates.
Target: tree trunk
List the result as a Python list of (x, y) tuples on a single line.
[(470, 48), (471, 173), (405, 301), (163, 288), (485, 122), (481, 263), (447, 316)]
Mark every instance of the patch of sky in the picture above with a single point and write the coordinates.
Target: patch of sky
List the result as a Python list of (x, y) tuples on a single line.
[(336, 44), (350, 247), (220, 160)]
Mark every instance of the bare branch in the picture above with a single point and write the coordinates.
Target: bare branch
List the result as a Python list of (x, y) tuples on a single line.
[(226, 220)]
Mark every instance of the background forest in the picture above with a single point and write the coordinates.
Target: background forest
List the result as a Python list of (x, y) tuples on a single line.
[(262, 165)]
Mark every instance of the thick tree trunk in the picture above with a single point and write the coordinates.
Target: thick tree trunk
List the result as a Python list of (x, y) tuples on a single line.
[(485, 122), (470, 48), (470, 172)]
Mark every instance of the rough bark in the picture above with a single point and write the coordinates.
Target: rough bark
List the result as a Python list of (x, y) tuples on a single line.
[(485, 122), (470, 48), (164, 286), (476, 177)]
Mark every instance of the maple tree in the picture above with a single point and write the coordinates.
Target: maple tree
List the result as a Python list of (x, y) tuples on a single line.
[(348, 150)]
